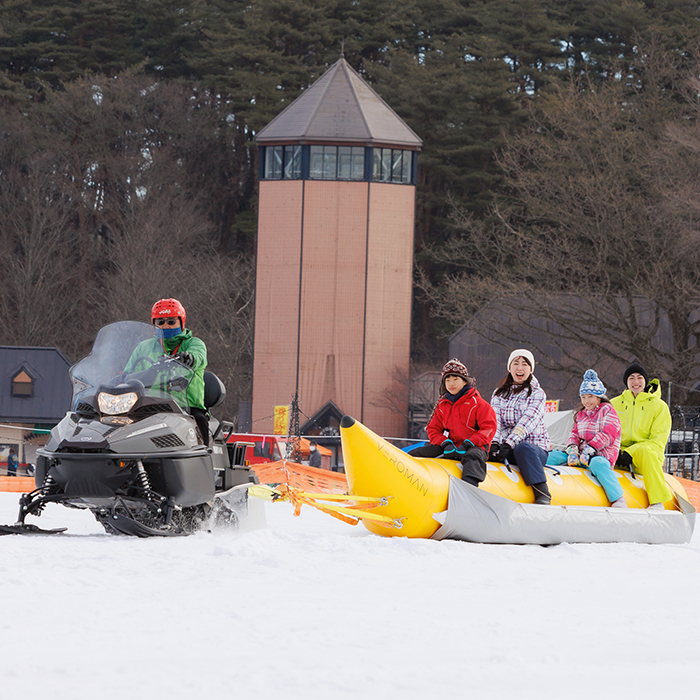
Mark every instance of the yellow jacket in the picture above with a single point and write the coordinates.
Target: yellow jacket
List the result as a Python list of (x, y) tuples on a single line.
[(644, 419)]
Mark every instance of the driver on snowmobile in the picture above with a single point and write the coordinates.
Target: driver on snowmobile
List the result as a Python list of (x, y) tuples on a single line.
[(172, 339)]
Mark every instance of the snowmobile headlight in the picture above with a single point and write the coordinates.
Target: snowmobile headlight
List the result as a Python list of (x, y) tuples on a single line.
[(115, 404)]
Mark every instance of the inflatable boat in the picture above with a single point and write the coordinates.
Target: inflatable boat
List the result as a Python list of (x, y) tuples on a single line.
[(427, 498)]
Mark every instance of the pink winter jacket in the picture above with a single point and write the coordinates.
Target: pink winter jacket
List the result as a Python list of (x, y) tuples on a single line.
[(599, 428)]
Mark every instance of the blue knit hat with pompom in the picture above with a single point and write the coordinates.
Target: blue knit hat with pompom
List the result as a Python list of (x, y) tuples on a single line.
[(591, 384)]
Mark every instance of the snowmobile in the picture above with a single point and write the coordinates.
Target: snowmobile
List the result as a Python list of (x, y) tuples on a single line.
[(130, 452)]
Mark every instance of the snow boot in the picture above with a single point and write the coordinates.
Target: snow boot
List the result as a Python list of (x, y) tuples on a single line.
[(542, 495)]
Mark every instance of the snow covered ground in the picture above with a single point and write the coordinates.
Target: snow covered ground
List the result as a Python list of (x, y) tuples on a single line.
[(312, 608)]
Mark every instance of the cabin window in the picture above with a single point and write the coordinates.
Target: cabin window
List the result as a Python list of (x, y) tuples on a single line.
[(22, 385)]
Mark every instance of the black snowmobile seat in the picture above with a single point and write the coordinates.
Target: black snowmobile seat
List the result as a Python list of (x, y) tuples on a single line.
[(214, 390)]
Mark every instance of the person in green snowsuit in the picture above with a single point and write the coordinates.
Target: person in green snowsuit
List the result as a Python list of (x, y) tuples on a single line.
[(646, 425), (172, 338)]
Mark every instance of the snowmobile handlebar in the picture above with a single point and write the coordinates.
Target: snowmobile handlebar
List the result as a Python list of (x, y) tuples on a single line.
[(149, 376)]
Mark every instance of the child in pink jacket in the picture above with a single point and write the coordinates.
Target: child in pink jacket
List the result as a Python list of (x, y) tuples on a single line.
[(594, 442)]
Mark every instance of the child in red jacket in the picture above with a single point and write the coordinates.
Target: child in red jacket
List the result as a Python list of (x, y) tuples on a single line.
[(462, 425)]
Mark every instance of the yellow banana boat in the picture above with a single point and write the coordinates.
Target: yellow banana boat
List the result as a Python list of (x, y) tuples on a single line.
[(427, 498)]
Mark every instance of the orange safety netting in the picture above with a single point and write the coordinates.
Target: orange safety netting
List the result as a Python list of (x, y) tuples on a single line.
[(692, 488), (300, 476), (17, 484)]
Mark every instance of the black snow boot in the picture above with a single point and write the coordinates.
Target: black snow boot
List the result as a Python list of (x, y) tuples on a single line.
[(542, 495), (474, 466)]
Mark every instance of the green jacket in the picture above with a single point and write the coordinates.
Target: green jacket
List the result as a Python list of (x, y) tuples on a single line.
[(183, 342), (645, 418)]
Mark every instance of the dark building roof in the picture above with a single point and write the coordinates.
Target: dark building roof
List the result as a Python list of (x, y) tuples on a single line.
[(486, 360), (485, 343), (326, 421), (51, 386), (340, 107)]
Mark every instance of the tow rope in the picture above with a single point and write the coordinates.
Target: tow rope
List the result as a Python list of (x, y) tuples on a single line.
[(349, 509)]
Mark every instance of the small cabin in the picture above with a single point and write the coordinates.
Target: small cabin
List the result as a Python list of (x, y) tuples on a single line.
[(35, 393)]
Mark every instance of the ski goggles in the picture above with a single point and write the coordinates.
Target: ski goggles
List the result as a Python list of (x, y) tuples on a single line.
[(172, 321)]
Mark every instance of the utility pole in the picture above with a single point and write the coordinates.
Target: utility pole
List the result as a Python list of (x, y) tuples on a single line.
[(294, 437)]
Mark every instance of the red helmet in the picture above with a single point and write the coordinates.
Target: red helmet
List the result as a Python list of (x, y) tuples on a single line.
[(165, 308)]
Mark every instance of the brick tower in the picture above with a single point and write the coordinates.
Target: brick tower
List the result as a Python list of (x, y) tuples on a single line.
[(335, 258)]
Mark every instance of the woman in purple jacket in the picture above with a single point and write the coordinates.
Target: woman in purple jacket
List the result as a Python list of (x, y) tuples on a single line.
[(522, 438), (594, 442)]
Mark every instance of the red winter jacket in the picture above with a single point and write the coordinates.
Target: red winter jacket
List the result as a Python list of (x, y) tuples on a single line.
[(468, 418)]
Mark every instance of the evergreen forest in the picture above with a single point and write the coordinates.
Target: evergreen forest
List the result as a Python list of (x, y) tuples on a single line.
[(558, 177)]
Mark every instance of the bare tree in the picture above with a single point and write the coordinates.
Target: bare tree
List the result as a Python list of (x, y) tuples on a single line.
[(163, 252), (110, 199), (412, 395), (159, 241), (37, 242), (597, 244)]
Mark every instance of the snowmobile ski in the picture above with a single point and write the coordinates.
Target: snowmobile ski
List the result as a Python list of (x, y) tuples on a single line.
[(29, 529), (129, 526)]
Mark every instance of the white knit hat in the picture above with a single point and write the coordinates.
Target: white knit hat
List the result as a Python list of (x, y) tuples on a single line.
[(522, 353)]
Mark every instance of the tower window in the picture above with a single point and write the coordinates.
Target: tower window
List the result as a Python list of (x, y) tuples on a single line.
[(351, 163), (22, 385), (292, 162), (337, 163), (283, 162), (273, 162), (354, 163), (392, 165)]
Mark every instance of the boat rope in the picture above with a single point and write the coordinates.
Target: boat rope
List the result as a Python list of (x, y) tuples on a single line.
[(350, 509)]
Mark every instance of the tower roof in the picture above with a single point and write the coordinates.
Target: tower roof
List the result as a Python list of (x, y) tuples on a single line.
[(340, 107)]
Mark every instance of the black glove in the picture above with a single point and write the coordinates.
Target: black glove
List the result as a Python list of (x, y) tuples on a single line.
[(624, 459), (494, 449), (186, 358), (462, 449), (178, 384), (503, 453), (448, 449)]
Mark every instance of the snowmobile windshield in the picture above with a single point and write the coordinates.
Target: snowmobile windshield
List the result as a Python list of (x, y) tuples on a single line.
[(127, 357)]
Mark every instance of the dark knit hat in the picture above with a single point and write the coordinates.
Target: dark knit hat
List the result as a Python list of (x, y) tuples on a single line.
[(635, 368), (456, 368)]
